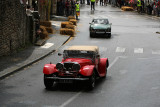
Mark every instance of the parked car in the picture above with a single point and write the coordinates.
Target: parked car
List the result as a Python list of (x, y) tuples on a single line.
[(100, 26), (79, 63)]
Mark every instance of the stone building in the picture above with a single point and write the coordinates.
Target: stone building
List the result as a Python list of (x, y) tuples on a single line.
[(13, 27)]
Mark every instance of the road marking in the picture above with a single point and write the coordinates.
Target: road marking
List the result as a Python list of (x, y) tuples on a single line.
[(115, 60), (120, 49), (47, 45), (70, 100), (156, 52), (123, 71), (138, 50)]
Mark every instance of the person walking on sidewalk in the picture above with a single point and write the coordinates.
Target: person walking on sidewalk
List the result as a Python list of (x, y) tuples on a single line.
[(139, 6), (77, 10), (88, 2), (158, 8), (73, 7), (67, 7), (93, 4), (101, 2), (105, 2)]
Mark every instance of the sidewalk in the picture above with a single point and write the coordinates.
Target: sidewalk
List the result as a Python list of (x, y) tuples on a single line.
[(18, 61)]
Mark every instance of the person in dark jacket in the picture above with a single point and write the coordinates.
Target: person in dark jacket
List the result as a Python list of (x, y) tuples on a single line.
[(73, 7), (67, 7)]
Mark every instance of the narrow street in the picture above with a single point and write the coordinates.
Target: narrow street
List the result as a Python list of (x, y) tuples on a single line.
[(133, 75)]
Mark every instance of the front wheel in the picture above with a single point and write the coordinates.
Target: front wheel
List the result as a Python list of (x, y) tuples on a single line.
[(48, 82), (91, 82), (91, 35), (109, 35)]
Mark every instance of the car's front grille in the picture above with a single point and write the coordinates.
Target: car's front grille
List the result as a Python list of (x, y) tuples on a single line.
[(68, 66)]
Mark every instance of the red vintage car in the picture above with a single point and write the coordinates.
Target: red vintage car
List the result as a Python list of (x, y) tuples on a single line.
[(79, 63)]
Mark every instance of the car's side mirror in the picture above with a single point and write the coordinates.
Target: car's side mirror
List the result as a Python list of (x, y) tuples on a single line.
[(59, 54), (89, 23), (97, 55), (110, 23)]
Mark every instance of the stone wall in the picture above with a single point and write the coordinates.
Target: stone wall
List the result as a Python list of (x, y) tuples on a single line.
[(13, 27)]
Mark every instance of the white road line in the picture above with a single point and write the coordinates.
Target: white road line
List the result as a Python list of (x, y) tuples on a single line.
[(120, 49), (156, 52), (115, 60), (47, 45), (70, 100), (138, 50)]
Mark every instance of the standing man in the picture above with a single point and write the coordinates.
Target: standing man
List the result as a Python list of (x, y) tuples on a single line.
[(88, 2), (139, 6), (93, 4), (158, 8), (77, 10), (73, 7), (67, 6), (101, 2)]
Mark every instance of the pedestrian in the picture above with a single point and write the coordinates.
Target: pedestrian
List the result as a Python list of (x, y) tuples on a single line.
[(38, 30), (158, 8), (59, 4), (139, 6), (67, 7), (105, 2), (93, 4), (29, 11), (101, 2), (88, 2), (149, 9), (142, 2), (154, 7), (97, 2), (77, 10), (73, 7)]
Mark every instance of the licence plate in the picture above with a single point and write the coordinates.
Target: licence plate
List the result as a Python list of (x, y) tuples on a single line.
[(100, 32), (65, 81)]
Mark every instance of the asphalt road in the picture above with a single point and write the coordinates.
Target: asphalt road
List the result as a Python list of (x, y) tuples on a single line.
[(133, 74)]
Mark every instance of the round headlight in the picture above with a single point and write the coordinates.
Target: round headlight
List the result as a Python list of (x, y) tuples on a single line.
[(76, 67), (59, 66)]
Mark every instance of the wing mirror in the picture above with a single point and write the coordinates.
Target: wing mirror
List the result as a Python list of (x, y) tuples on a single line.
[(89, 23), (97, 55), (59, 54), (110, 23)]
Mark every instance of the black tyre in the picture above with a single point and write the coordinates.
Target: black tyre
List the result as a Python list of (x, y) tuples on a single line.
[(48, 82), (91, 35), (106, 71), (107, 64), (109, 35), (91, 82)]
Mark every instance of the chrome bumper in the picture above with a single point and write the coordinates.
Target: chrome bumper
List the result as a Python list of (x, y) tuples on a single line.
[(59, 78)]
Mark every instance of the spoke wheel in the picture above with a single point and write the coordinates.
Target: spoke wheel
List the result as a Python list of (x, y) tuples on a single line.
[(48, 82), (92, 80)]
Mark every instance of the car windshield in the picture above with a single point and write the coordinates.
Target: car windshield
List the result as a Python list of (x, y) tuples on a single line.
[(100, 21), (78, 54)]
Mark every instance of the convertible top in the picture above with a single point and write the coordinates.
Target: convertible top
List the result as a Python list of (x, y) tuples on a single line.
[(84, 48)]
